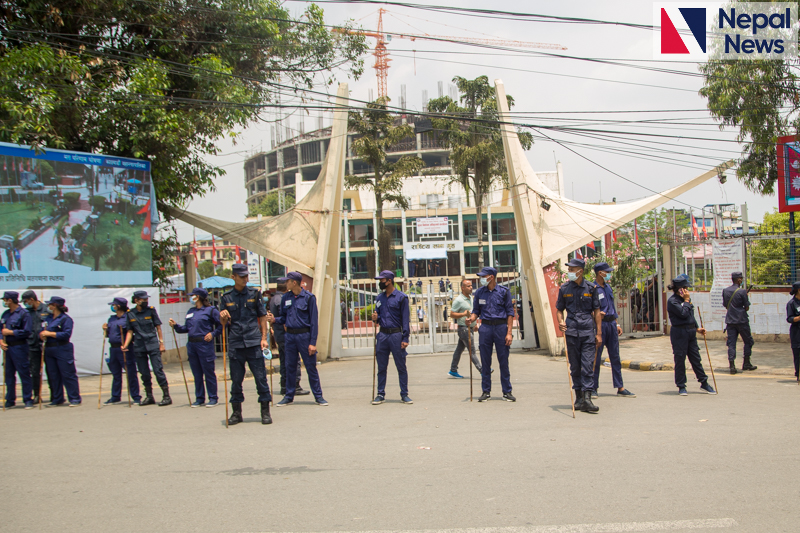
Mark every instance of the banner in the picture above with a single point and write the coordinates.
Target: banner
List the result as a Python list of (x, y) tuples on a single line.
[(74, 220), (727, 258), (432, 225), (431, 249)]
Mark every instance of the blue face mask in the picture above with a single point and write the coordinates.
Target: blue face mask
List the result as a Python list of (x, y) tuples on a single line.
[(113, 309), (29, 307), (608, 277), (572, 276), (484, 281)]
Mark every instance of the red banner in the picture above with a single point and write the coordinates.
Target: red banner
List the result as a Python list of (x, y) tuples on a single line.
[(146, 227), (213, 251)]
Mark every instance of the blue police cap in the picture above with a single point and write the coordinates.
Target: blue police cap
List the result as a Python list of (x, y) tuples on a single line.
[(56, 300), (604, 267), (142, 295), (385, 274), (487, 271), (575, 262), (201, 293), (122, 302), (795, 287), (11, 295), (296, 276), (681, 282), (240, 269), (737, 275)]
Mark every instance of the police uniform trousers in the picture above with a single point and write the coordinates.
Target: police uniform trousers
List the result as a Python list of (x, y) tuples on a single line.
[(252, 357), (297, 348), (581, 350), (684, 343), (464, 335), (280, 340), (202, 360), (734, 331), (390, 342), (488, 336), (116, 363), (17, 363), (61, 373), (611, 341), (794, 338), (154, 356), (35, 364)]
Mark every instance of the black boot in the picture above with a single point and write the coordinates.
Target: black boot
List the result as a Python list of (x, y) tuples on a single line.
[(733, 367), (588, 406), (578, 400), (165, 400), (747, 365), (236, 416), (148, 397), (265, 418)]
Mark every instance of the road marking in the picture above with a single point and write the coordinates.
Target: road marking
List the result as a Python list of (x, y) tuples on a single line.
[(670, 525)]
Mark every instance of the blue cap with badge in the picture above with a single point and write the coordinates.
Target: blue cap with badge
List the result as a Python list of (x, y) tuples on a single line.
[(487, 271), (296, 276)]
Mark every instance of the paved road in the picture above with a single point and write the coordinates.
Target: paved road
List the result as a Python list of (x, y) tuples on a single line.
[(653, 463)]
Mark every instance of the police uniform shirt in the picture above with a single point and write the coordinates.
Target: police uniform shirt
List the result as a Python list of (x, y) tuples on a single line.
[(735, 300), (492, 304), (680, 313), (393, 312), (245, 308), (19, 321), (200, 322), (37, 317), (793, 310), (605, 295), (62, 326), (579, 301), (114, 323), (299, 312), (275, 303), (143, 324)]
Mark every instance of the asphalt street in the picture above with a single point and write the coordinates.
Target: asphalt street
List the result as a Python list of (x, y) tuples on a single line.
[(657, 462)]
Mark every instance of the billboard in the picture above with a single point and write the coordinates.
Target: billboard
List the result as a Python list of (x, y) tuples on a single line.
[(74, 220), (788, 151)]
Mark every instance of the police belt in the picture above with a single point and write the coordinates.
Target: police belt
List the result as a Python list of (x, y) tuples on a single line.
[(116, 345), (51, 344), (495, 322), (685, 326), (389, 331), (16, 342), (296, 331), (197, 339), (609, 318)]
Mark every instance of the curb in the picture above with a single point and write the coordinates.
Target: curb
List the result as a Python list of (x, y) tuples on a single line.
[(644, 365)]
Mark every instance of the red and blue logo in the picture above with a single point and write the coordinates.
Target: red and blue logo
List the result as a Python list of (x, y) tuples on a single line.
[(671, 40)]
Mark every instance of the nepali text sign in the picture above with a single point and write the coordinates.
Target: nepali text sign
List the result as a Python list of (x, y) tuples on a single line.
[(727, 258), (432, 225), (431, 250)]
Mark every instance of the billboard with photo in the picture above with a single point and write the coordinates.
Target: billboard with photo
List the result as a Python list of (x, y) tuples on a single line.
[(74, 220)]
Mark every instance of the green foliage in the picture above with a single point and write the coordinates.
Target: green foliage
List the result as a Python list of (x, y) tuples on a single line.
[(76, 232), (47, 172), (97, 202), (366, 312), (35, 224), (73, 200), (205, 269), (123, 207), (96, 250), (471, 129), (30, 199), (164, 251), (269, 205), (123, 255), (769, 258), (224, 272)]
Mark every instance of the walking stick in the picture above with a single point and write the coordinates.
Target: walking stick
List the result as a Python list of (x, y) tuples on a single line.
[(125, 364), (569, 375), (225, 370), (707, 352), (4, 381), (469, 340), (271, 371), (186, 383), (374, 357), (100, 387), (41, 377)]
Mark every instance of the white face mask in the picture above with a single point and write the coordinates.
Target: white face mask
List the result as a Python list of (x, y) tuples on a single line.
[(573, 276), (193, 299), (484, 281)]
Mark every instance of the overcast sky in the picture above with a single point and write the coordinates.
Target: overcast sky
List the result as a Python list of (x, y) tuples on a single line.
[(541, 86)]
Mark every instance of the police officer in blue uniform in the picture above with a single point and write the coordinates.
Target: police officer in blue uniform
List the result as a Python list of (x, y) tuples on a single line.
[(202, 325), (59, 354), (610, 331), (391, 314), (492, 304), (582, 329), (144, 329), (16, 328), (116, 328), (793, 318), (279, 334), (38, 312), (300, 318), (683, 335), (245, 316), (735, 300)]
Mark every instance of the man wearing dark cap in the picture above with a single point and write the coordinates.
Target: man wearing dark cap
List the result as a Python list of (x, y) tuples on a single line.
[(144, 329), (391, 314), (300, 318), (38, 313), (245, 318), (279, 332), (116, 329), (610, 331), (492, 304), (683, 335), (735, 300), (15, 325), (793, 318), (582, 329)]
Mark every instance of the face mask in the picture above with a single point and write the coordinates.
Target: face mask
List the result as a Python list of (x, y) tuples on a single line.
[(113, 309), (29, 307), (383, 285), (484, 282), (142, 303), (5, 304), (572, 276), (51, 309), (193, 299), (608, 276)]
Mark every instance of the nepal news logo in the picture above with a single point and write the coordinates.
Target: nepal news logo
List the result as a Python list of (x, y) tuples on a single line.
[(738, 30)]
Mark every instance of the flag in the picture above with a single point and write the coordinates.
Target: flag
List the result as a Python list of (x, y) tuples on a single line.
[(194, 252), (614, 235), (20, 166), (146, 236), (213, 251), (705, 233), (635, 233), (591, 245), (694, 229), (178, 262), (238, 254), (578, 254)]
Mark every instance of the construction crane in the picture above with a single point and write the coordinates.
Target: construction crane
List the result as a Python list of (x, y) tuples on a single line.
[(382, 38)]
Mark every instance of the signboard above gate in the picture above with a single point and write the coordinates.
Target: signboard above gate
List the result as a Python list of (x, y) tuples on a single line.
[(432, 225)]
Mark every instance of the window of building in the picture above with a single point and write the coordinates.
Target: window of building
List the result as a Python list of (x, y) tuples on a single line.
[(347, 204), (361, 235), (395, 232), (275, 271), (358, 268), (504, 229), (505, 260), (202, 255), (471, 231)]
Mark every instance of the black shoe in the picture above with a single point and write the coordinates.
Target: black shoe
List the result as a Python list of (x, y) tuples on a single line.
[(484, 397), (265, 418), (147, 400), (747, 365), (733, 367), (236, 416), (588, 406), (508, 397), (578, 399), (165, 400), (708, 389), (299, 391)]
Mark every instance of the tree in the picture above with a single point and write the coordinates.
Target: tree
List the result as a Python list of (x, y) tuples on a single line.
[(124, 255), (377, 132), (270, 203), (97, 250), (161, 81), (770, 257), (205, 269), (472, 131)]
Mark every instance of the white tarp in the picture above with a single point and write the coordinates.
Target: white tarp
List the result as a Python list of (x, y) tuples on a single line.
[(727, 258), (89, 311)]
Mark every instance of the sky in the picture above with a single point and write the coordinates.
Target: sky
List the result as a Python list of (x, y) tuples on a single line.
[(548, 91)]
